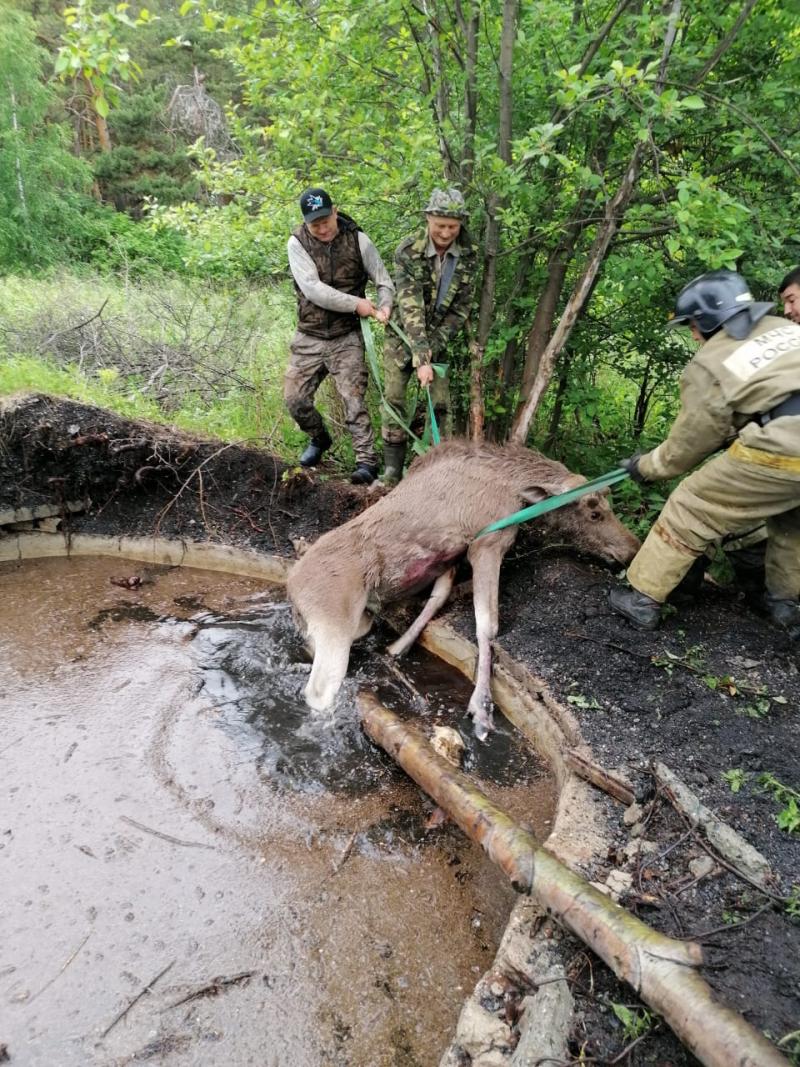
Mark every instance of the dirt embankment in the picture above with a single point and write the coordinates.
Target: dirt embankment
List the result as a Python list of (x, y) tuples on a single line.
[(142, 479)]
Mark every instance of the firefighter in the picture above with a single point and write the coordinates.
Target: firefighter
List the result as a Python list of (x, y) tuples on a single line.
[(742, 384)]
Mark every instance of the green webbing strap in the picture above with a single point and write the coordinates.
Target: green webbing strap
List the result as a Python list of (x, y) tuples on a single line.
[(438, 368), (550, 503), (432, 414), (420, 445), (372, 360), (403, 337)]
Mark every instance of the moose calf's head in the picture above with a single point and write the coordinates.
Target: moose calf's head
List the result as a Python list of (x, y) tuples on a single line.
[(592, 527)]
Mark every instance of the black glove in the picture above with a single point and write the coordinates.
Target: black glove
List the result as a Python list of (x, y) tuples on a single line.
[(631, 465)]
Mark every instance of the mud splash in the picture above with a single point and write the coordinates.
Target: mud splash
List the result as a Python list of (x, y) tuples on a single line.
[(170, 803)]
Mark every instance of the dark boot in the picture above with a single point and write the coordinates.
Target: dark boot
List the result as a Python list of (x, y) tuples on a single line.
[(691, 584), (749, 573), (638, 608), (785, 612), (394, 456), (316, 446), (364, 474)]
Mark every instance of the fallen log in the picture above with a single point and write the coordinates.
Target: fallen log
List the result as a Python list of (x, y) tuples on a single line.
[(660, 969)]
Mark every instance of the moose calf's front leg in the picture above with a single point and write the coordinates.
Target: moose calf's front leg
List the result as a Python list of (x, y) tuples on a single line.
[(331, 642), (438, 596)]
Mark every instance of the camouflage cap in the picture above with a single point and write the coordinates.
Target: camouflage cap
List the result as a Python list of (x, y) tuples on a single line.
[(447, 202)]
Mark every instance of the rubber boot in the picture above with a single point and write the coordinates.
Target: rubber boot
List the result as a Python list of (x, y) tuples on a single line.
[(785, 612), (394, 456), (316, 446), (691, 584), (364, 474), (638, 608), (749, 573)]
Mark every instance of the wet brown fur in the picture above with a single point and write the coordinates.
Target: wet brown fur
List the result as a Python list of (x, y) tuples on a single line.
[(414, 534)]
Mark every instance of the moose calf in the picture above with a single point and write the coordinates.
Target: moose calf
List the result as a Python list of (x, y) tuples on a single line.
[(414, 536)]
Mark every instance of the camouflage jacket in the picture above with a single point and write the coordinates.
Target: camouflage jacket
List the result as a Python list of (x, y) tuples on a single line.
[(724, 387), (426, 326)]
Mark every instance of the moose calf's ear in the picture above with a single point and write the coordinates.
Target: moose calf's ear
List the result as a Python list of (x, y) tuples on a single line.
[(558, 485)]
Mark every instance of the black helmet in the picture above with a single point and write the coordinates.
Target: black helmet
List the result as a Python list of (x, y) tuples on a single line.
[(719, 298)]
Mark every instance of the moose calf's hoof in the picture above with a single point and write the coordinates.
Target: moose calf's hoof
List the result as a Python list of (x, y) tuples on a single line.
[(313, 453), (638, 608), (364, 474)]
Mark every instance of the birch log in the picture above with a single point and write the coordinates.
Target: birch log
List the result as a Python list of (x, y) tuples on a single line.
[(659, 969)]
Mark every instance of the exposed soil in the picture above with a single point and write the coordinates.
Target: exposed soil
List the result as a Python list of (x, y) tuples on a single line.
[(668, 697), (717, 690), (147, 480)]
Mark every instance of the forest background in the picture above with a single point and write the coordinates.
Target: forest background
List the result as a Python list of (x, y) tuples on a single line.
[(151, 158)]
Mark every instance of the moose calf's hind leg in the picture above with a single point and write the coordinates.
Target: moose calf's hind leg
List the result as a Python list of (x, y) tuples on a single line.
[(480, 704), (438, 596), (485, 560)]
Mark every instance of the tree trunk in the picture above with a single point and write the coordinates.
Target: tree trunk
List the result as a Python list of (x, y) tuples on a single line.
[(492, 237), (17, 162), (476, 408), (659, 969), (614, 214), (492, 233), (103, 136), (441, 94), (558, 407), (470, 22), (642, 403)]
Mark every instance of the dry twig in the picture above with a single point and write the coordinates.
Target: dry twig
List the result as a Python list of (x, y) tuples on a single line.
[(213, 988), (165, 837), (63, 968), (136, 999)]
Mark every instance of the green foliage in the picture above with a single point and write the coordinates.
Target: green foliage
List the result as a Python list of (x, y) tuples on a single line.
[(111, 242), (635, 1021), (93, 52), (150, 157), (578, 700), (788, 818), (735, 779), (369, 102), (40, 181), (790, 1044)]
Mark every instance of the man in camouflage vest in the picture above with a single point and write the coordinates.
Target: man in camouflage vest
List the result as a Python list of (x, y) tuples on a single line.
[(331, 260), (435, 280), (741, 384)]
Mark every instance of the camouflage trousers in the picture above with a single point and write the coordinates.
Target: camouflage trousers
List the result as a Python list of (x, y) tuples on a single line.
[(397, 372), (728, 495), (312, 359)]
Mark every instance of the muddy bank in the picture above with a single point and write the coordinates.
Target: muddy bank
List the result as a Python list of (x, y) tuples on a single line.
[(144, 480), (714, 696)]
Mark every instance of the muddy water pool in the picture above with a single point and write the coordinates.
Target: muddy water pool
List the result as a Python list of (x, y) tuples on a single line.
[(194, 868)]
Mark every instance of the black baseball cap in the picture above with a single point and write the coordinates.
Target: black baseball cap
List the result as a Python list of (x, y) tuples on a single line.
[(315, 204)]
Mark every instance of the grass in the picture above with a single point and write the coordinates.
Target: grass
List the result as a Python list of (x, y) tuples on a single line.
[(209, 361), (209, 357), (205, 357)]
